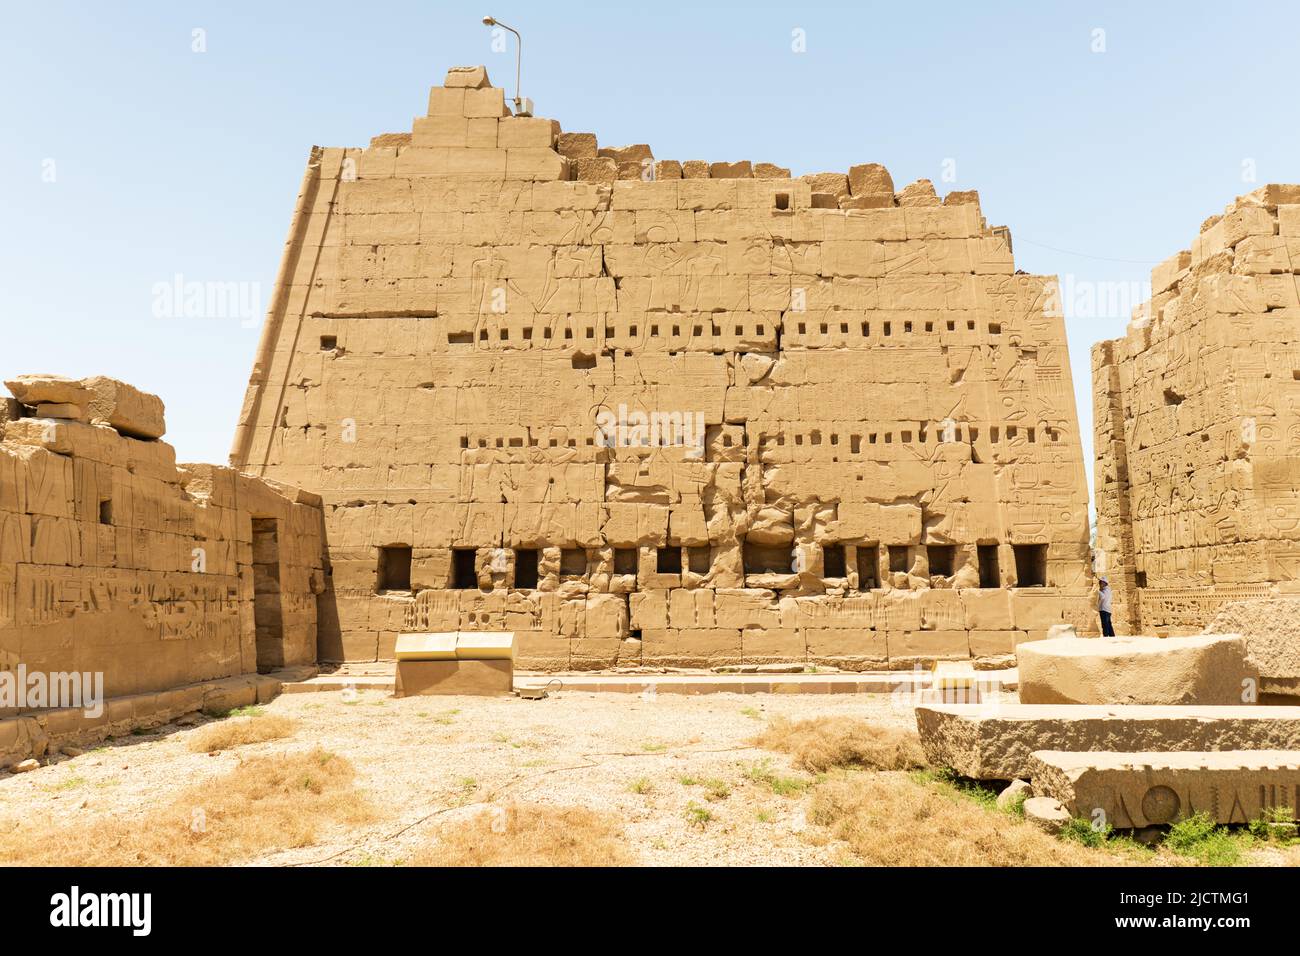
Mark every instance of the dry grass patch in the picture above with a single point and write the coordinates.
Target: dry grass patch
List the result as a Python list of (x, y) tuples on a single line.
[(529, 835), (268, 803), (238, 731), (888, 819), (821, 743)]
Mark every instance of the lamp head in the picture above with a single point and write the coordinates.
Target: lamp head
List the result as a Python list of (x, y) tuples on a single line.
[(489, 21)]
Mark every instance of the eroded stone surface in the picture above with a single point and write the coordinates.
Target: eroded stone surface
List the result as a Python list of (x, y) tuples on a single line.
[(116, 560), (1271, 628), (1206, 669), (640, 411), (1197, 472), (1145, 789), (1046, 813), (996, 743), (129, 410)]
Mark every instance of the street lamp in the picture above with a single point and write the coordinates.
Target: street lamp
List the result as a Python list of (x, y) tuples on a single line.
[(522, 106)]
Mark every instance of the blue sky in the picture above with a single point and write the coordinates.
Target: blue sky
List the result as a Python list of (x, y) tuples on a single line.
[(131, 159)]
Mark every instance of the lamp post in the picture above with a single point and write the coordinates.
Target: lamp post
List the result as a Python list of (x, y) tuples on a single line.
[(519, 55)]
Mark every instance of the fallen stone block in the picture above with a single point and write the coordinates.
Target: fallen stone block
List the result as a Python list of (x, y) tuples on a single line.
[(1130, 790), (129, 410), (1016, 790), (996, 742), (1046, 813), (1205, 669)]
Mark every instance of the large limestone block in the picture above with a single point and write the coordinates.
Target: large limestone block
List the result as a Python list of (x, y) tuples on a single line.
[(1143, 789), (129, 410), (1208, 669), (996, 741)]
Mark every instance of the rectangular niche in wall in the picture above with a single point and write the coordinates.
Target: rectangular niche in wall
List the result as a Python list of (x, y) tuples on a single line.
[(394, 568)]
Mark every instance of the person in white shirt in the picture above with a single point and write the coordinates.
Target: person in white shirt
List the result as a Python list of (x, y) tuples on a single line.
[(1103, 608)]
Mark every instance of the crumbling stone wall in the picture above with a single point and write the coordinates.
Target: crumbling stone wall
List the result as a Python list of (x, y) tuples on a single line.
[(644, 411), (114, 559), (1198, 425)]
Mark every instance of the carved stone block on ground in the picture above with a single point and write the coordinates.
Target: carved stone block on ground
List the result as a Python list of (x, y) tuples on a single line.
[(997, 743), (1145, 789)]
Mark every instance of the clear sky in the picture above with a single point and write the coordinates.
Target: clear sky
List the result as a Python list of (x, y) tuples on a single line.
[(1101, 133)]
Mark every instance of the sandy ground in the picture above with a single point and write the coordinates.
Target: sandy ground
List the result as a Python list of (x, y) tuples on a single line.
[(425, 761)]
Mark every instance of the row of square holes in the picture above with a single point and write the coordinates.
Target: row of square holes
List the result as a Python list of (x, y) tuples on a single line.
[(814, 438), (697, 331)]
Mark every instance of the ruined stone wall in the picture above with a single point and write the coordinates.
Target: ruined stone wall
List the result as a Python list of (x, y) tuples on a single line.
[(1198, 425), (642, 411), (114, 559)]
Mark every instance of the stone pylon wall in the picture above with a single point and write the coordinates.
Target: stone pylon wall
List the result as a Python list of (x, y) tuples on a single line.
[(653, 412), (1198, 424)]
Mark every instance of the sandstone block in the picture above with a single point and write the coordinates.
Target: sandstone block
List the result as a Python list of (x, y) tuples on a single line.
[(870, 178), (488, 678), (577, 145), (1016, 790), (995, 742), (668, 169), (48, 389), (129, 410), (600, 169), (445, 102), (487, 102), (1145, 789), (833, 184), (440, 130), (1134, 670), (695, 169), (919, 193), (770, 171), (1046, 813), (1271, 629), (527, 132), (467, 77), (867, 201), (740, 170), (635, 153), (61, 410)]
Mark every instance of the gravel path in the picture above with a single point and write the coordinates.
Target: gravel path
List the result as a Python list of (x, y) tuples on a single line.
[(425, 760)]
